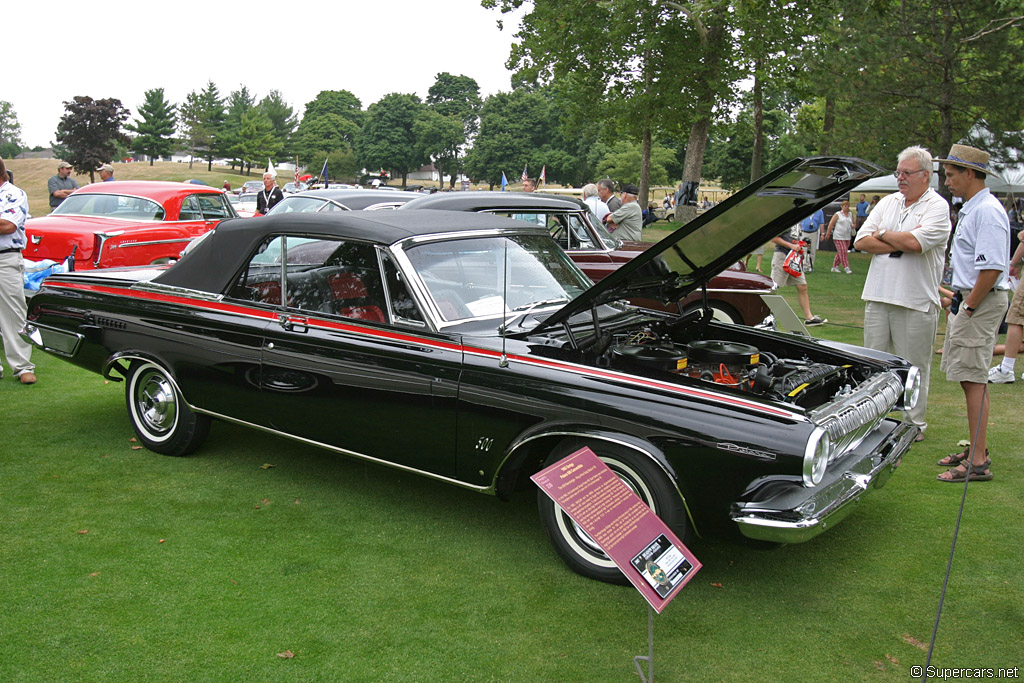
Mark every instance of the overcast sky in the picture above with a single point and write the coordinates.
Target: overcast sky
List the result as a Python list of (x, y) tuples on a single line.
[(55, 51)]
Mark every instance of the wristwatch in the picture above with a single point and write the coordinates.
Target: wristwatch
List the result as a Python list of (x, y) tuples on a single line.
[(969, 309), (880, 233)]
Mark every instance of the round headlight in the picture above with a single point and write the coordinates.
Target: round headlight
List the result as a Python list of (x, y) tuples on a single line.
[(912, 388), (816, 455)]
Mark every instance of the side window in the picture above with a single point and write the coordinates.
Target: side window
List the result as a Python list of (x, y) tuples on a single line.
[(261, 279), (213, 207), (190, 210), (403, 306), (327, 276), (579, 238)]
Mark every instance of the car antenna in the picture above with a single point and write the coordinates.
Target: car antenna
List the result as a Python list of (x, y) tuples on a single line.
[(503, 363)]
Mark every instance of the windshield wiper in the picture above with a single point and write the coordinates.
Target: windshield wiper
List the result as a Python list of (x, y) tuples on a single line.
[(525, 309)]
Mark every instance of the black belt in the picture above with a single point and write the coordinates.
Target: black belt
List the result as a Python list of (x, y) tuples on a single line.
[(12, 250)]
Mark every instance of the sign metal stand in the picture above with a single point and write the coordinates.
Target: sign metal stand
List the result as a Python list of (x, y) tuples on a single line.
[(649, 677)]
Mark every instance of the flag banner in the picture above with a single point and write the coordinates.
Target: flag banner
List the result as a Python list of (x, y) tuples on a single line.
[(543, 174), (323, 173), (504, 181), (523, 179)]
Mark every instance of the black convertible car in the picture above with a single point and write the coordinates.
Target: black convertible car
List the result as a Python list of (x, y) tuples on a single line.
[(471, 349)]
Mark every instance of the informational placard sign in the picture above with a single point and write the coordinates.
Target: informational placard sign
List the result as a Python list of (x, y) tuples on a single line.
[(642, 546)]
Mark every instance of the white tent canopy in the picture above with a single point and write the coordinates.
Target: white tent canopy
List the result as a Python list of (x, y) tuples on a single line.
[(1011, 181)]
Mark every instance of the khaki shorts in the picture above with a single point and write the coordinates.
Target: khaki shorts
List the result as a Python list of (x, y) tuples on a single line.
[(967, 351), (780, 276), (1015, 316)]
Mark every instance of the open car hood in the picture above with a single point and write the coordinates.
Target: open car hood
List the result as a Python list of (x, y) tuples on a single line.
[(695, 253)]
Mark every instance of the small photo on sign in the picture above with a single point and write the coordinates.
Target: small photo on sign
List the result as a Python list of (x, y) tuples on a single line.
[(662, 565)]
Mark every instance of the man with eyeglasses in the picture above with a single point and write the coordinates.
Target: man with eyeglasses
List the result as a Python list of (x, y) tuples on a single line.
[(906, 234)]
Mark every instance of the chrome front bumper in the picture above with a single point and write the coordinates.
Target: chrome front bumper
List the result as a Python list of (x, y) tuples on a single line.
[(798, 514)]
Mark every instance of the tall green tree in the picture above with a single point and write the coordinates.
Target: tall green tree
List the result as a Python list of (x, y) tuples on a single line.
[(155, 126), (440, 138), (10, 131), (453, 97), (665, 68), (388, 139), (282, 119), (515, 133), (91, 131), (254, 140), (927, 73), (329, 127), (202, 121), (238, 103)]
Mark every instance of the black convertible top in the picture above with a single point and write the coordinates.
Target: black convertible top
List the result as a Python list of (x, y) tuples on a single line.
[(494, 201), (212, 265)]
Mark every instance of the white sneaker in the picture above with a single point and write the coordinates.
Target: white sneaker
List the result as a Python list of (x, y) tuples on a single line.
[(997, 375), (835, 269), (848, 271)]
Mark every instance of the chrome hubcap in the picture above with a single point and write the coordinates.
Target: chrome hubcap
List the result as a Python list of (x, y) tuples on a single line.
[(156, 403)]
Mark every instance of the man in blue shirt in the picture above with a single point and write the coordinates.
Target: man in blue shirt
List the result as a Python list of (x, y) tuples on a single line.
[(810, 231)]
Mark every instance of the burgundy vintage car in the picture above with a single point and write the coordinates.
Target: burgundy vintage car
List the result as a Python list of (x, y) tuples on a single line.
[(733, 296), (126, 223)]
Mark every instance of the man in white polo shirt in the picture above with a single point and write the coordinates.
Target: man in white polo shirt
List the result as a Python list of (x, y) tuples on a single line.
[(907, 234)]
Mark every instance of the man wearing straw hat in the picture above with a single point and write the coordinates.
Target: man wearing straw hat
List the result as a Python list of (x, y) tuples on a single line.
[(981, 249)]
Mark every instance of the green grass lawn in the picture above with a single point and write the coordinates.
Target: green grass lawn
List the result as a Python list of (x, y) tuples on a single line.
[(120, 564)]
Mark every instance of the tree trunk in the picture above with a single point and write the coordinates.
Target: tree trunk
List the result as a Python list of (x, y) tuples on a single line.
[(645, 169), (828, 125), (686, 205), (757, 154), (946, 89)]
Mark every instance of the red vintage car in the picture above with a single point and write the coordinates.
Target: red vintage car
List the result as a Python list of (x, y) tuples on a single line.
[(126, 223)]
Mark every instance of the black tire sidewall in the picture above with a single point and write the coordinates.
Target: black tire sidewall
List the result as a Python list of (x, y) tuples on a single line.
[(642, 474)]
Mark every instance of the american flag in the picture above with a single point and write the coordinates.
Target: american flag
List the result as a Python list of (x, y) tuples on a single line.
[(296, 170), (523, 179), (543, 173)]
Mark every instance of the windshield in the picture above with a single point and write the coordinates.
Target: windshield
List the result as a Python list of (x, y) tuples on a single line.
[(491, 276), (110, 206), (303, 205)]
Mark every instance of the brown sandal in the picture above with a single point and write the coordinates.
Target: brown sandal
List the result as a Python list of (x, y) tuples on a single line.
[(976, 473), (954, 459)]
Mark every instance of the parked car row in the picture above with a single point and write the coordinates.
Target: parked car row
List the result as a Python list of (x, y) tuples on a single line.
[(470, 348)]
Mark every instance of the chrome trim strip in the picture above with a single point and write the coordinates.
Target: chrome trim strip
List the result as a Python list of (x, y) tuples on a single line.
[(353, 454), (122, 245), (159, 288), (318, 444)]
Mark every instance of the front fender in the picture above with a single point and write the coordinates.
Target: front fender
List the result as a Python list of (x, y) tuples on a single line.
[(527, 454)]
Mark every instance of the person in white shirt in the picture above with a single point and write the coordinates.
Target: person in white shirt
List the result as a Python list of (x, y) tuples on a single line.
[(907, 233), (598, 208), (980, 255)]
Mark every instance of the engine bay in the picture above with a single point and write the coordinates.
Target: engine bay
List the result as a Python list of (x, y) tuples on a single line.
[(740, 359)]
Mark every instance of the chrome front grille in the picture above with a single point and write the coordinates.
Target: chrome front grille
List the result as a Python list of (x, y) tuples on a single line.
[(850, 418)]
